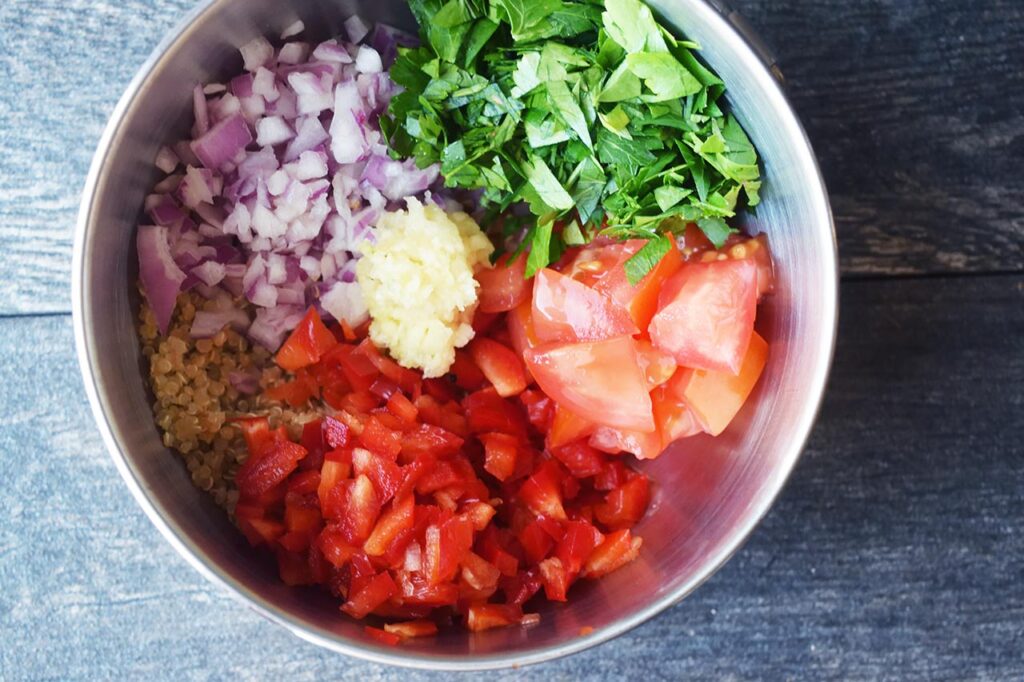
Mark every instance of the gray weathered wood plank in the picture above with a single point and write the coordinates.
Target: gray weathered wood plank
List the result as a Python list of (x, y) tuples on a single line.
[(915, 107), (894, 552)]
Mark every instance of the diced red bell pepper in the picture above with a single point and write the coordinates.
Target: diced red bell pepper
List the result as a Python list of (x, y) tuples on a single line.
[(487, 411), (362, 507), (468, 376), (293, 568), (624, 506), (446, 546), (582, 460), (380, 439), (415, 589), (375, 592), (500, 454), (540, 409), (555, 578), (383, 636), (334, 547), (307, 344), (481, 617), (535, 541), (430, 439), (412, 628), (268, 467), (385, 475), (617, 550), (259, 531), (502, 367), (402, 407), (398, 518), (520, 587), (577, 544), (542, 493), (479, 573)]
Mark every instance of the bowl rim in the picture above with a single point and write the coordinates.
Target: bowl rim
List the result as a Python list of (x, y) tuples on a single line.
[(740, 42)]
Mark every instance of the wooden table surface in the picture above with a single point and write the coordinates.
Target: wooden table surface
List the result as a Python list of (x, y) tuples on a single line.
[(896, 550)]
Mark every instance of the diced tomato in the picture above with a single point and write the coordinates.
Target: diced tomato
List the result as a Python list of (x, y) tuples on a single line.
[(446, 546), (308, 342), (567, 311), (504, 286), (566, 427), (657, 365), (268, 467), (603, 268), (397, 518), (756, 249), (541, 492), (412, 628), (503, 368), (375, 592), (481, 617), (520, 328), (582, 460), (706, 315), (674, 417), (362, 506), (617, 550), (614, 441), (624, 506), (716, 397), (500, 454), (693, 242), (383, 636), (599, 381)]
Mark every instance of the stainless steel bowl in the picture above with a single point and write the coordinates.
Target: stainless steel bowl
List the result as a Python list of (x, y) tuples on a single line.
[(709, 493)]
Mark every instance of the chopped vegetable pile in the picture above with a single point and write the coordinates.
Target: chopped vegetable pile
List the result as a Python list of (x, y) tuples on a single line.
[(441, 435), (588, 111)]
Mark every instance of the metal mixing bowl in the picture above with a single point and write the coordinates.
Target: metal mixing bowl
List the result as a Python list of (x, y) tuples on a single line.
[(708, 493)]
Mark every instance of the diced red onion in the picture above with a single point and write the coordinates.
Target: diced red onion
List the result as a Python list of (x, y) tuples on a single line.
[(166, 160), (331, 51), (222, 143), (344, 301), (313, 91), (272, 324), (245, 382), (310, 133), (197, 187), (165, 211), (347, 141), (386, 40), (214, 88), (356, 29), (264, 85), (368, 60), (210, 273), (160, 275), (200, 111), (293, 29), (293, 53), (273, 130), (207, 324), (256, 53)]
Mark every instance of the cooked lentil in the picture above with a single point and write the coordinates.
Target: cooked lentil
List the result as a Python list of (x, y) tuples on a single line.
[(194, 401)]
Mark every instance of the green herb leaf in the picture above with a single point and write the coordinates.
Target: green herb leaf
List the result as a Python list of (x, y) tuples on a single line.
[(663, 75), (644, 260), (540, 249), (546, 186), (567, 107)]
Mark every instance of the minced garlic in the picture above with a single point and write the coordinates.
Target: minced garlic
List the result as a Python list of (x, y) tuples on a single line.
[(417, 282)]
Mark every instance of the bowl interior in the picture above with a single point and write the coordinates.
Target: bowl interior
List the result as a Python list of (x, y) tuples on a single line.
[(708, 493)]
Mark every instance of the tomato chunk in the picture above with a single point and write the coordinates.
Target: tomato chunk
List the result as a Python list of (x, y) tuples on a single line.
[(567, 311), (520, 328), (500, 365), (716, 397), (504, 286), (600, 381), (706, 315), (308, 342)]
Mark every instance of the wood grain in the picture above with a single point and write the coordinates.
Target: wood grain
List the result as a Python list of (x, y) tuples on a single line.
[(916, 112), (915, 107), (893, 553)]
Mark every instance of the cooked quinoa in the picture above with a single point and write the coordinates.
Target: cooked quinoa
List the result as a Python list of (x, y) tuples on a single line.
[(194, 400)]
